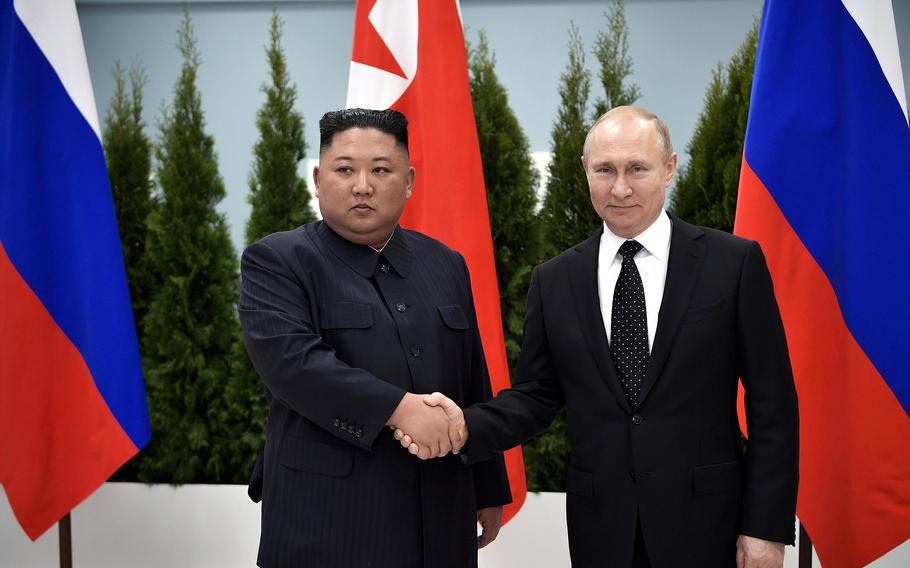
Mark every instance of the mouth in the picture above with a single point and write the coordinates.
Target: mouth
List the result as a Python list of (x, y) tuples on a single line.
[(361, 207)]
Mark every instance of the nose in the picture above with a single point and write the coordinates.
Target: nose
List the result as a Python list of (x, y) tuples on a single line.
[(621, 188), (362, 185)]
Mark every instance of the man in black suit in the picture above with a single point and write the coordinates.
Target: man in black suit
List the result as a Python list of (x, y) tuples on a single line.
[(642, 332), (344, 319)]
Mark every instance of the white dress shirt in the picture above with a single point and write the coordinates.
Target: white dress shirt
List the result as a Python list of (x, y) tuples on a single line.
[(651, 261)]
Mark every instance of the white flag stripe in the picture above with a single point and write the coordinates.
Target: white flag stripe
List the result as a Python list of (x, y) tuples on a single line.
[(397, 21), (54, 25), (369, 87), (397, 24), (875, 19)]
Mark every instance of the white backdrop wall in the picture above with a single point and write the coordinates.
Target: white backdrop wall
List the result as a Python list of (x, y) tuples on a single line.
[(675, 45), (217, 526)]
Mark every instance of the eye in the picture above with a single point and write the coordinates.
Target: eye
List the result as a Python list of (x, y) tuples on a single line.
[(380, 170), (344, 169), (604, 170)]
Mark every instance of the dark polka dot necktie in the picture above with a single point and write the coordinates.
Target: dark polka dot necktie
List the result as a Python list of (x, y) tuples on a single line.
[(629, 325)]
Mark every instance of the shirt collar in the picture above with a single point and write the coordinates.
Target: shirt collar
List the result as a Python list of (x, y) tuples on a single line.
[(655, 239), (363, 259)]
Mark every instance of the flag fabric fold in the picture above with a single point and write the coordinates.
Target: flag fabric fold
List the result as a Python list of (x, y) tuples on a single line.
[(72, 402), (825, 189), (410, 55)]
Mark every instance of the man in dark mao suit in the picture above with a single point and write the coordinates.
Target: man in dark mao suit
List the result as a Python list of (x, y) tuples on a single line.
[(657, 473), (343, 319)]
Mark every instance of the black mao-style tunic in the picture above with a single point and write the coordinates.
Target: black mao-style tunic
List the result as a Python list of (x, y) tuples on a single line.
[(338, 333)]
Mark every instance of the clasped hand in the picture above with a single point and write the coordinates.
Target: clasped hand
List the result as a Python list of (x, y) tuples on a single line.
[(429, 426)]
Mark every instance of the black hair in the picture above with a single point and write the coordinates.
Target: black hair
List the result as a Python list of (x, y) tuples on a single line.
[(388, 121)]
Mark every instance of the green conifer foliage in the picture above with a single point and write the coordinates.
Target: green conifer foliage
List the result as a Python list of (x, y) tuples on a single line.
[(129, 164), (707, 186), (567, 216), (278, 195), (191, 323), (128, 152), (280, 202), (511, 183), (612, 51)]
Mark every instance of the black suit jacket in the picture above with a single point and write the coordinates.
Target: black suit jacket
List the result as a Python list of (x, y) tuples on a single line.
[(676, 461), (338, 333)]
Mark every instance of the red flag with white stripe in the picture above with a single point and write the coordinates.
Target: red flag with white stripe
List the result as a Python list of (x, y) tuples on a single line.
[(410, 55)]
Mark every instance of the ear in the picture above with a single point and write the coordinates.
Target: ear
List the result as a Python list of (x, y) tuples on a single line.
[(671, 168), (412, 174), (584, 163), (316, 181)]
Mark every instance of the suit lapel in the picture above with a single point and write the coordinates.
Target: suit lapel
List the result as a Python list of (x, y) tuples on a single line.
[(684, 264), (583, 281)]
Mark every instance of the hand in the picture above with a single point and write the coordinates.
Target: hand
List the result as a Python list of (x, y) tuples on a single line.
[(490, 520), (428, 426), (754, 552), (458, 429)]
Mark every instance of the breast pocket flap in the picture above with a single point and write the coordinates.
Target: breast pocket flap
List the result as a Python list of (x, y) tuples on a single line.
[(704, 312), (351, 315), (311, 456), (454, 317)]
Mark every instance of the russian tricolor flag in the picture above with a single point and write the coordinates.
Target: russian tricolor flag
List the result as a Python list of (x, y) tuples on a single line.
[(825, 189), (72, 403)]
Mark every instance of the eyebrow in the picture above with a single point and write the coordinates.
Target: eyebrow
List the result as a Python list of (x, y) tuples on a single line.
[(376, 159)]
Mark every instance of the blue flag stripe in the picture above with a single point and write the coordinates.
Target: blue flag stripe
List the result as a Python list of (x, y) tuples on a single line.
[(829, 140), (58, 225)]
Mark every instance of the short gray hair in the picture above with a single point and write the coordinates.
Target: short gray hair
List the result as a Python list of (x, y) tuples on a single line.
[(663, 133)]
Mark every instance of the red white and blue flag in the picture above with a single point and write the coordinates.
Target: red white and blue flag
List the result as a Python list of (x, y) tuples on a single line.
[(410, 55), (825, 189), (72, 403)]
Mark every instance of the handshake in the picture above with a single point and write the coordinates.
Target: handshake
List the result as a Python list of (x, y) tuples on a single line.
[(429, 425)]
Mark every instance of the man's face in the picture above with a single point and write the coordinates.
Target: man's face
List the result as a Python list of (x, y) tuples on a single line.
[(627, 173), (362, 182)]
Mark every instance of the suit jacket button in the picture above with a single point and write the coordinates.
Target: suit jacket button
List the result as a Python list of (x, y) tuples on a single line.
[(359, 433), (401, 307), (384, 267), (636, 419), (416, 351)]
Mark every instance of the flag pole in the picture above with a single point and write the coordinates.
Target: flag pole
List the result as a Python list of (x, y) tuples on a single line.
[(805, 548), (66, 542)]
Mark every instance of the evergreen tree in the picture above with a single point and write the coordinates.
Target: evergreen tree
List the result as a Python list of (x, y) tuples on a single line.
[(567, 216), (128, 152), (707, 186), (129, 164), (191, 322), (280, 202), (511, 183), (612, 51), (278, 194)]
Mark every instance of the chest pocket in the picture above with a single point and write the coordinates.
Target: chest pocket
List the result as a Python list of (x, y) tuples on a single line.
[(453, 317), (345, 315)]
